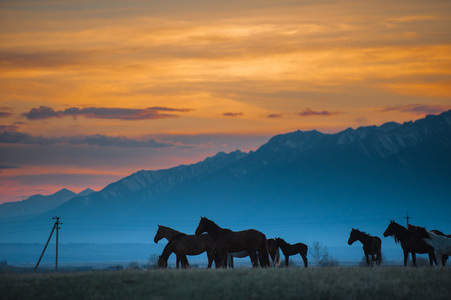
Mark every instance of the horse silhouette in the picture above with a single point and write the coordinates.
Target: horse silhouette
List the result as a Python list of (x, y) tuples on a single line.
[(227, 241), (371, 245)]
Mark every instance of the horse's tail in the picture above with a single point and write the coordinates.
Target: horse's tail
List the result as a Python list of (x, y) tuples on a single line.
[(263, 253)]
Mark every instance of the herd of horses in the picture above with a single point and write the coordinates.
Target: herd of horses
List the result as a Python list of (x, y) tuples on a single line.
[(222, 245)]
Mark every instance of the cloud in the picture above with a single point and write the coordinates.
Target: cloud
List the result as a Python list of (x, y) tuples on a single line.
[(43, 112), (150, 113), (119, 141), (99, 140), (418, 109), (4, 166), (230, 114), (274, 116), (3, 113), (309, 112), (9, 128)]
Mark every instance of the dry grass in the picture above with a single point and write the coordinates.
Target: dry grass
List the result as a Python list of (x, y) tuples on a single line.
[(296, 283)]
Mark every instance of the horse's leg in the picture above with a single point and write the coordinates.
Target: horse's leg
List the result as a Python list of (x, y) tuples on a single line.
[(230, 261), (414, 259), (254, 258), (378, 258), (439, 258), (210, 256), (287, 258), (367, 260), (273, 258), (177, 262), (222, 259), (184, 262), (444, 259), (406, 254), (304, 258)]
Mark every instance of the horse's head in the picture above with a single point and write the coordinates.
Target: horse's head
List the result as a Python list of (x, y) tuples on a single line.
[(162, 263), (280, 241), (390, 228), (352, 236), (158, 235), (420, 233), (202, 227)]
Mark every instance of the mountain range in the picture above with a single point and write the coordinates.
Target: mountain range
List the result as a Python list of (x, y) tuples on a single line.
[(38, 204), (303, 183)]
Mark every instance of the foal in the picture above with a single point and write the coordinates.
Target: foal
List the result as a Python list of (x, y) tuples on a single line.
[(288, 250)]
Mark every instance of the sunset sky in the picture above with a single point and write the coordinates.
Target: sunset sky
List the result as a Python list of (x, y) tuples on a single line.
[(92, 91)]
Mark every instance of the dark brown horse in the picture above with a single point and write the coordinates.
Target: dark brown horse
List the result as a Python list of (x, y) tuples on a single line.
[(372, 245), (169, 234), (288, 250), (414, 228), (227, 241), (405, 237), (183, 245)]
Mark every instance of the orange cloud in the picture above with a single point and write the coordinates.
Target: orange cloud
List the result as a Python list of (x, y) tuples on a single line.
[(309, 112), (151, 113), (230, 114)]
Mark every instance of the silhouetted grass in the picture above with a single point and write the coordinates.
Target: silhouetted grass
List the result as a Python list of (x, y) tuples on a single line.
[(295, 283)]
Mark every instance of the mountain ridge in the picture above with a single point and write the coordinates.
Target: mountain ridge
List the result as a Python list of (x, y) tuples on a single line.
[(294, 175), (35, 204)]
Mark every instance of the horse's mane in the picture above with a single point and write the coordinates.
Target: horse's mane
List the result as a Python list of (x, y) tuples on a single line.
[(424, 233), (282, 240), (396, 234), (216, 226), (362, 232), (438, 232), (171, 229)]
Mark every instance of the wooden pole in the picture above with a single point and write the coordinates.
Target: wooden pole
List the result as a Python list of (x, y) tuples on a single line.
[(42, 254)]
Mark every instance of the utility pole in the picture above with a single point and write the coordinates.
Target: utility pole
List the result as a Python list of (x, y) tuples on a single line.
[(55, 226), (407, 218)]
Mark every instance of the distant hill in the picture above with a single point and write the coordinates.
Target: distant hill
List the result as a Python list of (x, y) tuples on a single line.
[(36, 204), (85, 192), (291, 178)]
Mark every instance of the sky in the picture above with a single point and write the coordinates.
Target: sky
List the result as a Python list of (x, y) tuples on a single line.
[(93, 91)]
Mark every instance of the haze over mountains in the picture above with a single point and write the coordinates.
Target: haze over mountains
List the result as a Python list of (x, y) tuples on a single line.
[(303, 186)]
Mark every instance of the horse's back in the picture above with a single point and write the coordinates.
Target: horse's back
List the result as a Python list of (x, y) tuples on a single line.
[(237, 241)]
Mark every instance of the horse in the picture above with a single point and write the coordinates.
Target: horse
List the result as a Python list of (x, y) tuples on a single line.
[(401, 234), (226, 241), (273, 251), (288, 250), (371, 245), (438, 232), (169, 234), (441, 244), (183, 245)]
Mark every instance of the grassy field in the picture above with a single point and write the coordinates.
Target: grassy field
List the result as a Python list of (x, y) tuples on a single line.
[(295, 283)]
